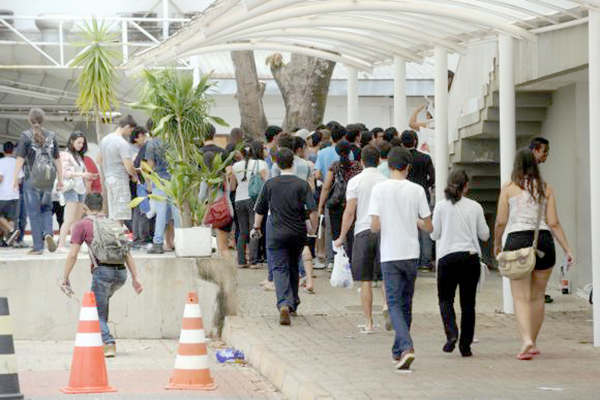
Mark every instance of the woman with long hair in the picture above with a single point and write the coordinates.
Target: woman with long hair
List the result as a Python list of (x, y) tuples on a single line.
[(244, 171), (75, 176), (518, 207), (458, 226)]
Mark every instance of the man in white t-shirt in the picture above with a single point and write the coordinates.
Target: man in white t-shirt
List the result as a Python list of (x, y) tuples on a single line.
[(366, 267), (398, 209), (9, 197)]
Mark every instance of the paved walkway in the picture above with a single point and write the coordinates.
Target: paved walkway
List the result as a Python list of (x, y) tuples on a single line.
[(325, 350)]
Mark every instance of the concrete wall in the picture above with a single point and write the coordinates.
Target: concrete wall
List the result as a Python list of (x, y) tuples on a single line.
[(40, 311)]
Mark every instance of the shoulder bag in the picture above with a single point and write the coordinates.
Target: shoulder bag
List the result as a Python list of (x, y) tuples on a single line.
[(219, 214), (256, 183), (517, 264)]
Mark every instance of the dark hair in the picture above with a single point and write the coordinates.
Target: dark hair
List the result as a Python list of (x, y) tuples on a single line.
[(236, 136), (258, 151), (395, 142), (247, 154), (330, 124), (8, 147), (376, 130), (384, 149), (285, 158), (93, 201), (457, 181), (526, 174), (286, 140), (409, 139), (337, 132), (72, 138), (389, 134), (299, 143), (210, 132), (36, 119), (352, 132), (399, 158), (537, 142), (136, 133), (127, 120), (366, 138), (369, 155), (316, 138), (271, 132), (343, 149)]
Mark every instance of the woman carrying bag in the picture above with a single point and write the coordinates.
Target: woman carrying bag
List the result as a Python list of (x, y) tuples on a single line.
[(458, 226), (527, 215)]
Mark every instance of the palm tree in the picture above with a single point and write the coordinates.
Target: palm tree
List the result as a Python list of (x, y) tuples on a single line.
[(96, 81)]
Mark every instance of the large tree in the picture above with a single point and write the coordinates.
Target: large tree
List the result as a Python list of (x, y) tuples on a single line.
[(250, 93), (304, 85)]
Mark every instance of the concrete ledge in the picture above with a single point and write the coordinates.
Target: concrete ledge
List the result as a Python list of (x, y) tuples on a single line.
[(293, 384)]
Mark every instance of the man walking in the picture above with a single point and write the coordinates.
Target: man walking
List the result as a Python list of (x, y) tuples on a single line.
[(117, 168), (398, 209), (110, 258), (9, 195), (287, 199), (366, 267)]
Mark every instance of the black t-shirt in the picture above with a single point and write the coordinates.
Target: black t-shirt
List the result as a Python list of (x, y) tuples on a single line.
[(26, 151), (289, 198), (422, 171), (215, 149)]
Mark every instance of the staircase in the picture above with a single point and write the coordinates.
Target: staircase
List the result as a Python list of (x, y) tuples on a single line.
[(478, 148)]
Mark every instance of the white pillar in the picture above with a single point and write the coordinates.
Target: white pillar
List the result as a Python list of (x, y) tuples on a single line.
[(508, 132), (195, 63), (352, 95), (594, 79), (441, 121), (399, 93), (165, 13)]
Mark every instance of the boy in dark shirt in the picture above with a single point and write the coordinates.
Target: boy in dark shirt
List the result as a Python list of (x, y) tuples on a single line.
[(288, 199)]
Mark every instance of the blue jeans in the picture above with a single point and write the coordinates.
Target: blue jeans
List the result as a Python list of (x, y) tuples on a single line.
[(301, 269), (142, 192), (165, 211), (105, 282), (39, 209), (426, 247), (284, 259), (22, 214), (399, 278)]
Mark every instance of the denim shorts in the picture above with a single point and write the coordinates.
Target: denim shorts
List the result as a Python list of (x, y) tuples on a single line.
[(72, 196)]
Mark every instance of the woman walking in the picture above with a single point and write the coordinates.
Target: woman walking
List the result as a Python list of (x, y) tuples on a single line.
[(458, 226), (75, 176), (518, 207), (245, 173)]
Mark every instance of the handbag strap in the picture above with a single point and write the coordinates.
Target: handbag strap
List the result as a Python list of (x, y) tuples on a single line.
[(536, 235), (467, 226)]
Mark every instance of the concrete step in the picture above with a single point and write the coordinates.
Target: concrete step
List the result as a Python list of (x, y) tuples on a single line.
[(491, 129), (476, 151), (523, 114), (522, 99)]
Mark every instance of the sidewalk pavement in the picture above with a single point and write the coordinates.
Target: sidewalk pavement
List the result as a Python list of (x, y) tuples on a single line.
[(322, 355)]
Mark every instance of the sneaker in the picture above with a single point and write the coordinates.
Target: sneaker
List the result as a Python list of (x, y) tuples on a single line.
[(406, 359), (269, 287), (35, 252), (156, 249), (329, 267), (20, 245), (12, 236), (50, 243), (284, 316), (319, 265), (110, 350)]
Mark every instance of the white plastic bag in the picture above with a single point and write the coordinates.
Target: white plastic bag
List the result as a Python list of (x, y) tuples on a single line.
[(341, 276)]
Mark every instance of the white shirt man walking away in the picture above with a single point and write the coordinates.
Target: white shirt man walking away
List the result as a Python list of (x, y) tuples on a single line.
[(398, 209)]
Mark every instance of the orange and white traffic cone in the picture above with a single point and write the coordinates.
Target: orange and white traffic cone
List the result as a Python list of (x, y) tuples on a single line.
[(191, 365), (88, 370)]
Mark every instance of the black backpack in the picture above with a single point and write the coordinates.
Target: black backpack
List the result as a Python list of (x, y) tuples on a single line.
[(42, 173), (337, 197)]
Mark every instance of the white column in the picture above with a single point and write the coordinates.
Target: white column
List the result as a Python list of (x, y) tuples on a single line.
[(441, 121), (195, 63), (594, 78), (165, 13), (508, 132), (352, 95), (124, 40), (399, 93)]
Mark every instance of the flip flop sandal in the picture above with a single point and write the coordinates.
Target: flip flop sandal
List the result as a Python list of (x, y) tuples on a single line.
[(366, 331), (524, 356)]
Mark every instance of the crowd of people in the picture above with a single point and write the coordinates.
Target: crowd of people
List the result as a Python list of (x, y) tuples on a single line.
[(296, 197)]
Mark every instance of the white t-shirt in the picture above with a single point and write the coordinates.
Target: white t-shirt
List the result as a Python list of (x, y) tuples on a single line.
[(360, 188), (399, 204), (451, 234), (241, 192), (7, 170)]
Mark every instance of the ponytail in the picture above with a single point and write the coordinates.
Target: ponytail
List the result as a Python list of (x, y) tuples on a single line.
[(457, 181), (247, 153), (36, 119)]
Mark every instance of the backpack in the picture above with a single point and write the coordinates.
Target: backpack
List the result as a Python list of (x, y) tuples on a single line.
[(42, 174), (256, 183), (110, 244), (337, 197)]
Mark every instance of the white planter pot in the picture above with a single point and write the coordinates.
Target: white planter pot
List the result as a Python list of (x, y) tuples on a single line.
[(193, 242)]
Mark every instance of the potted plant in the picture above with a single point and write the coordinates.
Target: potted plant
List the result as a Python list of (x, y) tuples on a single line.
[(180, 111)]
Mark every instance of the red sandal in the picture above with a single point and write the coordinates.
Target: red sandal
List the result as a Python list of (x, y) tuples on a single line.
[(524, 356)]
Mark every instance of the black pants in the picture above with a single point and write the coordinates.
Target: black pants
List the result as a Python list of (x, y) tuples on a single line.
[(245, 216), (458, 269), (59, 211)]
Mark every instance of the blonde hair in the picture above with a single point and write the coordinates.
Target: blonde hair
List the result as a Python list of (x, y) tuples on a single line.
[(36, 119)]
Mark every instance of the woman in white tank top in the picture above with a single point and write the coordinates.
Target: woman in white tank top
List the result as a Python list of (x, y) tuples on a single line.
[(518, 209)]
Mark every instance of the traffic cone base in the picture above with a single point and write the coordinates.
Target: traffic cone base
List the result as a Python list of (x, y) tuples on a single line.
[(9, 373)]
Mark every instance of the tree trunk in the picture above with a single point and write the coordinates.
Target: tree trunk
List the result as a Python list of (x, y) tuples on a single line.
[(249, 94), (304, 85)]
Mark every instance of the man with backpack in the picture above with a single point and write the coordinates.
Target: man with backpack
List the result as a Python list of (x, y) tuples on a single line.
[(108, 249), (38, 152)]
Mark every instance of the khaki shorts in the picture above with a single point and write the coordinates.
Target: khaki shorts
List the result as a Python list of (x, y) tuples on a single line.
[(119, 197)]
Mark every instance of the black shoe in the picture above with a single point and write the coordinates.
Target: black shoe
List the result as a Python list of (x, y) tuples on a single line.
[(466, 351), (548, 299), (449, 346), (284, 316), (156, 249), (50, 243)]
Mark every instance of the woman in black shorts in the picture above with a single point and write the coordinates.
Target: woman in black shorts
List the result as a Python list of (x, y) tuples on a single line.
[(517, 216)]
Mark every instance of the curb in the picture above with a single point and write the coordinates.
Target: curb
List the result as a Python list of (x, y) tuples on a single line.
[(293, 384)]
